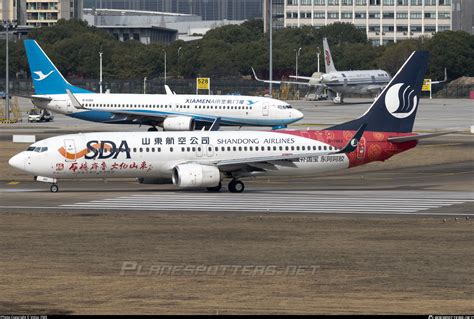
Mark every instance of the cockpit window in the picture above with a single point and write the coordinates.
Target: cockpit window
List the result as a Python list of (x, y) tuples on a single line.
[(37, 149)]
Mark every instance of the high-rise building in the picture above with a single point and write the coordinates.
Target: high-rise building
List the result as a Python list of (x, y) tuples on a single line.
[(207, 9), (278, 8), (13, 10), (47, 12), (383, 20), (463, 15)]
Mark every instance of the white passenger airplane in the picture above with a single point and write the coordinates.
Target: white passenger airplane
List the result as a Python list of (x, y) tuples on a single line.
[(340, 83), (206, 158), (171, 111)]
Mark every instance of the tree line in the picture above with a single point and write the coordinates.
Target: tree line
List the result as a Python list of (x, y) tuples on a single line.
[(230, 52)]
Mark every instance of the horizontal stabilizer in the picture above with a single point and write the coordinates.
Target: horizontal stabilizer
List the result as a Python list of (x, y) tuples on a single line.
[(403, 139)]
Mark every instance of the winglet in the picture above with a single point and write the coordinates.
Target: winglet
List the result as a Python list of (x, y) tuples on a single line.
[(216, 125), (255, 75), (352, 144), (168, 90), (73, 99)]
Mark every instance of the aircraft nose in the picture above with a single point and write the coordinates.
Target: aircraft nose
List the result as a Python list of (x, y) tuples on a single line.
[(298, 114), (18, 161)]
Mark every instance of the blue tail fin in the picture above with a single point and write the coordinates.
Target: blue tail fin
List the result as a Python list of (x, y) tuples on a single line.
[(395, 108), (46, 77)]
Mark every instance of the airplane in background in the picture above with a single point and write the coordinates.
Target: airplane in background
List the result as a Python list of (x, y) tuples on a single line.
[(170, 111), (340, 83), (206, 158)]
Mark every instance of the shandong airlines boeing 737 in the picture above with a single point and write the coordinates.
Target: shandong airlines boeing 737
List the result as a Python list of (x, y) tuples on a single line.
[(206, 158), (173, 112)]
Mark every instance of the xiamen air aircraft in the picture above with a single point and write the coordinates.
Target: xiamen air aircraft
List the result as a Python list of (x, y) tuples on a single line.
[(207, 158), (170, 111)]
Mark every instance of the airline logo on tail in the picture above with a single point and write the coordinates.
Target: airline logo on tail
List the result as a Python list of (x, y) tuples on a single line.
[(328, 58), (401, 100), (41, 75)]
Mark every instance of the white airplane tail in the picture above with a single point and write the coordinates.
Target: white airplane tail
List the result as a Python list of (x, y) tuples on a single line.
[(328, 61)]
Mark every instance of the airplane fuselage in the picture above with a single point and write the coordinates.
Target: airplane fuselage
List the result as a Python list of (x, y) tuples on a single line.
[(356, 82), (152, 109), (156, 154)]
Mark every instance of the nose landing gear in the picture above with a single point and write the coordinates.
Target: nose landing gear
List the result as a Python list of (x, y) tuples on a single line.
[(54, 188)]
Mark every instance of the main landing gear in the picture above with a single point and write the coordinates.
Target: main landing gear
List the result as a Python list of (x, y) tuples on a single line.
[(236, 186)]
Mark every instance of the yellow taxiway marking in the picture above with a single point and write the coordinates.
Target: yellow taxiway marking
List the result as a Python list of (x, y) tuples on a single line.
[(13, 183)]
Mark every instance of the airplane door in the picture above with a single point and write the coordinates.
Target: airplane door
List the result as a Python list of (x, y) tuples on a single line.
[(199, 151), (373, 79), (69, 107), (361, 149), (265, 109), (70, 148), (210, 151)]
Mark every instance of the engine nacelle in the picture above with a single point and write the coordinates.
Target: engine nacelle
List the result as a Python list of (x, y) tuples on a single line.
[(178, 123), (196, 175)]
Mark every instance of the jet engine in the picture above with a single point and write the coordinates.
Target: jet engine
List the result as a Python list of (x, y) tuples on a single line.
[(196, 175), (178, 123)]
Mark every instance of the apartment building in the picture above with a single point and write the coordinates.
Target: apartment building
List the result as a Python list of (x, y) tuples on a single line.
[(47, 12), (383, 21)]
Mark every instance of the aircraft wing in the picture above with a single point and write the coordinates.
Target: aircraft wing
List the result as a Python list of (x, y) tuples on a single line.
[(285, 82), (375, 88), (403, 139), (309, 78), (269, 162)]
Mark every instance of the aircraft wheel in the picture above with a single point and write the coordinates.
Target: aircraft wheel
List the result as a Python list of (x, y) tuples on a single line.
[(54, 188), (236, 186), (153, 129), (215, 189)]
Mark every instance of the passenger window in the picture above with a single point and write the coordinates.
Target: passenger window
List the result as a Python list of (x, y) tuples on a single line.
[(134, 150), (245, 148), (325, 147), (297, 148), (171, 149), (281, 148), (182, 149), (141, 150)]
